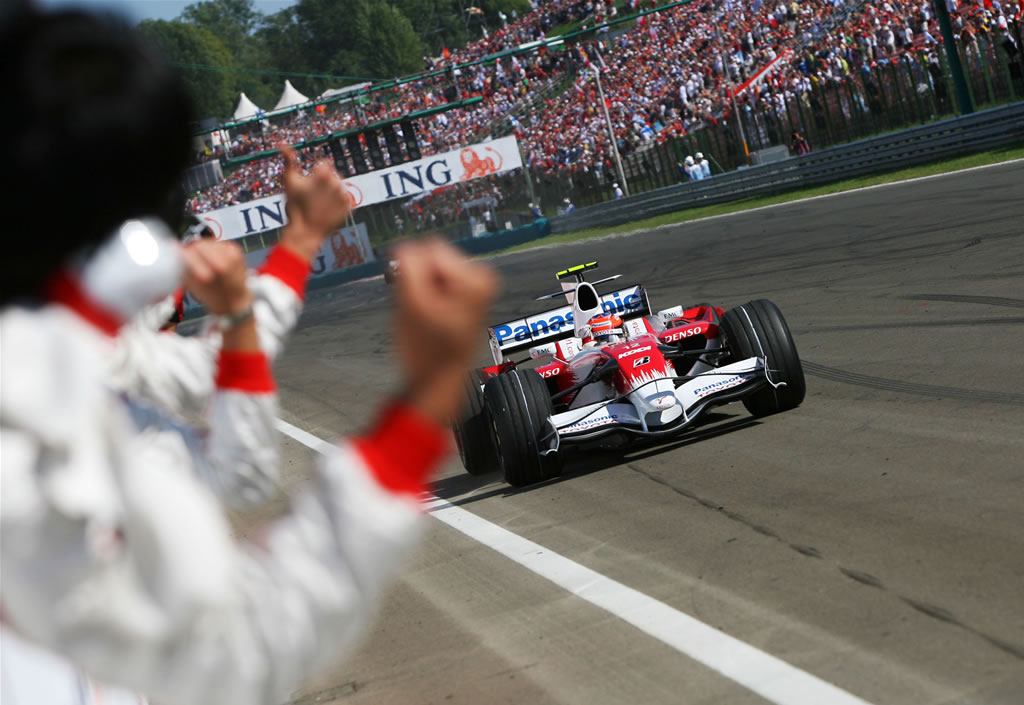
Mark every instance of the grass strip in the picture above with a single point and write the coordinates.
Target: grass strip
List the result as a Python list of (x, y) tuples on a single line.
[(992, 156)]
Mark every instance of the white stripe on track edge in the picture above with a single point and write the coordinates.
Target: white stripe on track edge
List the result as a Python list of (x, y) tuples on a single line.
[(769, 677)]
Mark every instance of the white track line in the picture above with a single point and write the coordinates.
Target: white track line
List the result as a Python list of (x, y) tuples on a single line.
[(770, 677)]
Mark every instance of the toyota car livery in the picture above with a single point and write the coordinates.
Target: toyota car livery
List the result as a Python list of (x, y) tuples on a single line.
[(604, 370)]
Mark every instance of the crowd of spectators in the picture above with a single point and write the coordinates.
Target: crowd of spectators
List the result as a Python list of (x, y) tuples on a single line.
[(669, 74)]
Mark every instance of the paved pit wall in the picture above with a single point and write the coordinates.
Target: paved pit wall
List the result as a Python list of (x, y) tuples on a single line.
[(871, 537)]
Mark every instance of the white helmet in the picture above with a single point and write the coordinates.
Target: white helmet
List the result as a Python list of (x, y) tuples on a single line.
[(689, 161), (700, 155)]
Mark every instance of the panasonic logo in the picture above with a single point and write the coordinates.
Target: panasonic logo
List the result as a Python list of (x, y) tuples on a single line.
[(719, 386), (537, 327), (591, 422)]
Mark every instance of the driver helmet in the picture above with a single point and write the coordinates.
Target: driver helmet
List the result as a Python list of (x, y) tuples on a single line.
[(606, 328)]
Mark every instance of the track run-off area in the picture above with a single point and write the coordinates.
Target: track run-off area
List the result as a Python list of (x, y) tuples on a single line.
[(867, 547)]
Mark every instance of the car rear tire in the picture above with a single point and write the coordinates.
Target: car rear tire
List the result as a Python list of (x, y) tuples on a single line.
[(473, 435), (757, 329), (519, 404)]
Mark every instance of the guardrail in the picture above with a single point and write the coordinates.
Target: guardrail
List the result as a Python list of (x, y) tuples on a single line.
[(981, 130)]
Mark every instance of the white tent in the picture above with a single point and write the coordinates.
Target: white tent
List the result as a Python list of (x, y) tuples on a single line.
[(246, 108), (290, 98), (334, 92)]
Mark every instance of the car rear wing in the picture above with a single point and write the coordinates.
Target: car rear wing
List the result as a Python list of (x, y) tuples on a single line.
[(557, 324)]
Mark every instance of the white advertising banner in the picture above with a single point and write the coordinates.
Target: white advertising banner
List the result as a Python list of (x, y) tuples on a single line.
[(344, 248), (402, 181)]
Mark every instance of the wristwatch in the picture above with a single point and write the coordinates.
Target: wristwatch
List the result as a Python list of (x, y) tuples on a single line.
[(230, 320)]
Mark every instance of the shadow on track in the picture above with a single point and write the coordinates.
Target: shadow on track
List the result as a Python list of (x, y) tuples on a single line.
[(581, 463)]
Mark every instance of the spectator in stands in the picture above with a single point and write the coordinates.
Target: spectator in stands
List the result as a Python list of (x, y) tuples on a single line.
[(663, 78), (97, 562), (705, 167), (693, 170), (798, 145)]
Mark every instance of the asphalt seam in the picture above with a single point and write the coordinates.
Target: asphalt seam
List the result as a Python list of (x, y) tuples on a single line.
[(926, 608), (967, 299), (903, 325), (892, 385)]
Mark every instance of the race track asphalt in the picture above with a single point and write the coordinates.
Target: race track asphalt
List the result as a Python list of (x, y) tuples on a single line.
[(873, 537)]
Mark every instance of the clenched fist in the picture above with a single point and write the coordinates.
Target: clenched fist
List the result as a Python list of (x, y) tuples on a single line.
[(215, 273), (442, 300)]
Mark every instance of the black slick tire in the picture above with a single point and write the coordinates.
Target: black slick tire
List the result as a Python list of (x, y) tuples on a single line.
[(473, 435), (519, 404), (757, 329)]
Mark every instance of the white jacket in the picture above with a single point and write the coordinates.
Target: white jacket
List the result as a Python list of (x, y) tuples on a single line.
[(176, 375), (115, 555)]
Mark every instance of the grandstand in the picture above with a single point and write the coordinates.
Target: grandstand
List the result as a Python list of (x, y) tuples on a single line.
[(833, 69)]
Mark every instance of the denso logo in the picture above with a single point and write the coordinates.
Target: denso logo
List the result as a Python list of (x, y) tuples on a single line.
[(551, 372), (634, 351), (719, 386), (680, 334)]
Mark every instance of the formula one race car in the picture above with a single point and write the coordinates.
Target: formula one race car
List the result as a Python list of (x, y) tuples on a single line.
[(607, 370)]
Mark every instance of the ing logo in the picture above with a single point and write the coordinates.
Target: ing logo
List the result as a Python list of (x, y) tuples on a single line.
[(215, 226), (355, 193), (474, 165)]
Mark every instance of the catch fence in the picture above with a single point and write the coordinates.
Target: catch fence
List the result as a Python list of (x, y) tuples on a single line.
[(912, 88)]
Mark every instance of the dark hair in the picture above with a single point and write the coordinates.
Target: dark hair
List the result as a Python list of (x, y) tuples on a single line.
[(95, 130)]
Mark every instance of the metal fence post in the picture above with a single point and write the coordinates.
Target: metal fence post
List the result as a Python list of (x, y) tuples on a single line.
[(900, 99), (956, 68)]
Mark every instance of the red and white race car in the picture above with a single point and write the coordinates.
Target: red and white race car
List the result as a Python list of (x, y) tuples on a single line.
[(606, 370)]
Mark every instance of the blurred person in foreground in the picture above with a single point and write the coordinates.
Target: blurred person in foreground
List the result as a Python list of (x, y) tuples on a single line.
[(114, 553), (240, 458)]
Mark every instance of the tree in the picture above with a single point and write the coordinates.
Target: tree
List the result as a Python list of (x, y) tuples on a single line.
[(213, 91), (388, 45), (231, 21), (437, 22), (358, 38), (235, 23)]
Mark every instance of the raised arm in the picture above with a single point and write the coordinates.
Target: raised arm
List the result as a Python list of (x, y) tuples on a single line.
[(117, 559)]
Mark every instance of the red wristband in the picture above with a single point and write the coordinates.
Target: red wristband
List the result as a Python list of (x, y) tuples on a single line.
[(403, 449), (244, 371), (289, 267)]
